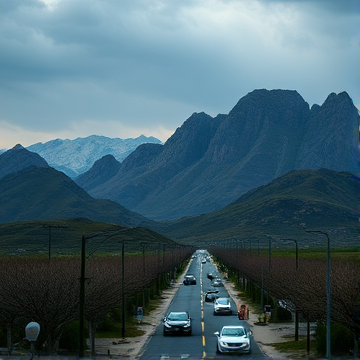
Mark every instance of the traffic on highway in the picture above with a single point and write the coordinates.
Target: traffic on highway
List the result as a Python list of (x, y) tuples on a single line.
[(196, 326)]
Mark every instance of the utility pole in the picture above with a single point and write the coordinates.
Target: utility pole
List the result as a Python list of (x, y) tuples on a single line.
[(328, 299), (83, 280), (297, 267), (123, 288), (82, 301), (52, 227), (270, 264)]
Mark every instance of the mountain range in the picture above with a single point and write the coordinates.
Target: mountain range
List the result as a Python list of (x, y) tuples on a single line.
[(210, 162), (32, 190), (74, 157), (213, 163), (286, 207)]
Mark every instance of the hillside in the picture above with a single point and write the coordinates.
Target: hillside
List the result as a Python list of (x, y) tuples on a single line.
[(210, 162), (286, 207), (43, 193), (32, 237)]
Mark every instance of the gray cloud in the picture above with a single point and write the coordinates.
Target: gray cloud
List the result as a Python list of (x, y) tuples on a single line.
[(149, 64)]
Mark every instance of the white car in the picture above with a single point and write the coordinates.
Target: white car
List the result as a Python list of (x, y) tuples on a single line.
[(233, 339), (222, 306)]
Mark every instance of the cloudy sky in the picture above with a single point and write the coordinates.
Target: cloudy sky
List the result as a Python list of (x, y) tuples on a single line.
[(122, 68)]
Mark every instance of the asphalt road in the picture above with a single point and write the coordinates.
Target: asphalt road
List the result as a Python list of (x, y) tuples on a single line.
[(202, 343)]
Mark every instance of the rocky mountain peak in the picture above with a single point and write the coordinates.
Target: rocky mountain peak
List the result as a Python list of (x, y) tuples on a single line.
[(18, 147), (17, 159), (102, 170), (210, 162), (190, 142), (331, 136), (75, 157)]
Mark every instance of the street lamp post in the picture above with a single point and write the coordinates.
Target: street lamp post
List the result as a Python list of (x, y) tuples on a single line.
[(270, 264), (82, 301), (123, 288), (51, 227), (297, 266), (82, 285), (328, 300), (296, 251), (144, 271), (250, 244), (32, 331)]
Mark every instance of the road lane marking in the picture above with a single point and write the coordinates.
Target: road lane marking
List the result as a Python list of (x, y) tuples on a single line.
[(202, 313)]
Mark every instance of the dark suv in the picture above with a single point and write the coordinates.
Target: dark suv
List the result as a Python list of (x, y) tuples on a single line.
[(177, 322), (189, 279)]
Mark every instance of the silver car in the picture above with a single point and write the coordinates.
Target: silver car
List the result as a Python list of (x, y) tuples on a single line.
[(222, 306), (233, 339)]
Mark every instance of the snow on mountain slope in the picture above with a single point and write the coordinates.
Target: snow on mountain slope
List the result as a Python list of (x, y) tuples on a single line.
[(74, 157)]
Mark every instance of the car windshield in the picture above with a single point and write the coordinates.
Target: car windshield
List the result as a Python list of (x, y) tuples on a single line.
[(178, 316), (223, 301), (233, 332)]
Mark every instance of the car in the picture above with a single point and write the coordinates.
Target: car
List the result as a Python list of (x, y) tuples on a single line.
[(211, 296), (222, 306), (203, 261), (233, 339), (189, 279), (210, 276), (177, 322), (217, 282)]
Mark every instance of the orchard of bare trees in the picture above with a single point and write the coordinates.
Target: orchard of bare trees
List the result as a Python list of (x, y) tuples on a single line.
[(47, 291), (302, 284)]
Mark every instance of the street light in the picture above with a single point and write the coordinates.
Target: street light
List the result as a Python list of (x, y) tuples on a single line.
[(52, 227), (296, 310), (328, 332), (296, 251), (82, 284), (250, 244), (143, 244), (270, 264), (32, 331), (123, 288)]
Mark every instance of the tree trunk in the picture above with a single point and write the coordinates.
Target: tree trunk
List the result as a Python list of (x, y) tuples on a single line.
[(52, 344), (92, 333)]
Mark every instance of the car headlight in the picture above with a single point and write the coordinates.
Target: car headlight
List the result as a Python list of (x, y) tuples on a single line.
[(167, 325), (187, 325), (223, 343)]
